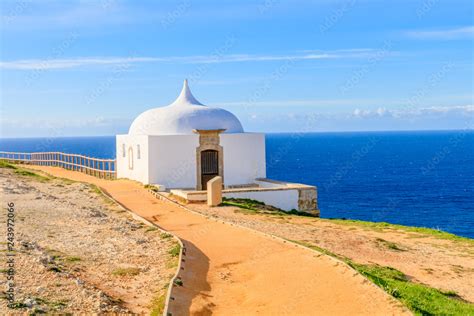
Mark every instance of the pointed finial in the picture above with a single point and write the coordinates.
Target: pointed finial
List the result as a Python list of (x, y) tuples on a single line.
[(186, 97)]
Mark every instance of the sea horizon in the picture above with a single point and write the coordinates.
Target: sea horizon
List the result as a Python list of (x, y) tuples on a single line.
[(271, 133), (401, 177)]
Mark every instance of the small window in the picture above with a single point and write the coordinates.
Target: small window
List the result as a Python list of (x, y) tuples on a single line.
[(130, 158), (138, 152), (123, 150)]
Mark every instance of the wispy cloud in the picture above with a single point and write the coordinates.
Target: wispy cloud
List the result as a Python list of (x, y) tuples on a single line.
[(444, 34), (433, 110), (33, 64), (305, 103)]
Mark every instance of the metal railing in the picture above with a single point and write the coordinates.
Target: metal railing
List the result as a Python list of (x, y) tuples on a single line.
[(102, 168)]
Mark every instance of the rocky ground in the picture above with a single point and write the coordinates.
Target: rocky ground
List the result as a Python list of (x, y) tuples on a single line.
[(77, 252), (441, 263)]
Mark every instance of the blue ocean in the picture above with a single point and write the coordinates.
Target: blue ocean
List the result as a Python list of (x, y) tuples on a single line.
[(410, 178)]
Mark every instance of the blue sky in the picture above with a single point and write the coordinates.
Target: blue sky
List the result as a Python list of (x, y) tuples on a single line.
[(71, 68)]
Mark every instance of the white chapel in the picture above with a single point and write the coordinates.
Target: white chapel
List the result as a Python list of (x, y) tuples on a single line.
[(181, 146)]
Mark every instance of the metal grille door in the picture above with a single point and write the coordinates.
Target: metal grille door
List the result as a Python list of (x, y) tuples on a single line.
[(209, 166)]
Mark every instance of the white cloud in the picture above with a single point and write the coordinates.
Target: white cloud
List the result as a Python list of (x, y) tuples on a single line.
[(434, 110), (446, 34), (43, 64)]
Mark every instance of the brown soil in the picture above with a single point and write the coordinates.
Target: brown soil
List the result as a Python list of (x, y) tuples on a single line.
[(78, 253), (235, 271)]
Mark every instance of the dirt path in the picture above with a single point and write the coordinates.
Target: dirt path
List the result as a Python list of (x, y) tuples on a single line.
[(235, 271), (450, 266)]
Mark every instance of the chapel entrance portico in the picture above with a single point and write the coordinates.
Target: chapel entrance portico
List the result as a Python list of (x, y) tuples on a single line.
[(209, 157)]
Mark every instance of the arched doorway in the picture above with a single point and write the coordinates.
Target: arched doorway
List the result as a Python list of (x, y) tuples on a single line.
[(209, 166)]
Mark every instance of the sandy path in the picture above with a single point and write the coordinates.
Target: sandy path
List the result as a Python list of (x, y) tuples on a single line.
[(235, 271), (450, 266)]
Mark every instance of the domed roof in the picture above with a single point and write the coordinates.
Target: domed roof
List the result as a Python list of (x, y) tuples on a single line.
[(183, 116)]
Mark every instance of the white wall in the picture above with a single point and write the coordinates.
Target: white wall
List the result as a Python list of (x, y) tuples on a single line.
[(173, 160), (283, 199), (140, 165), (244, 157), (170, 160)]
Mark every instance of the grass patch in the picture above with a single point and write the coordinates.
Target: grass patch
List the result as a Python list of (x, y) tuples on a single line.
[(165, 236), (317, 248), (27, 173), (126, 271), (67, 181), (151, 187), (158, 304), (73, 259), (174, 252), (55, 268), (18, 305), (56, 305), (6, 165), (249, 206), (388, 244), (95, 189), (171, 263), (419, 298), (381, 226)]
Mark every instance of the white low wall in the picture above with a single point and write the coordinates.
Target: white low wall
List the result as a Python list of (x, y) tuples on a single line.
[(270, 183), (284, 199)]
